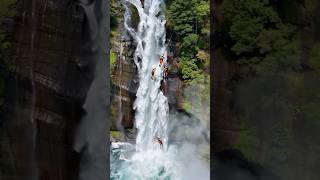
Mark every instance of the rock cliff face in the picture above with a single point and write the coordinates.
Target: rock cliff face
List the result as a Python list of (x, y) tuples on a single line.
[(124, 75), (45, 91), (124, 87)]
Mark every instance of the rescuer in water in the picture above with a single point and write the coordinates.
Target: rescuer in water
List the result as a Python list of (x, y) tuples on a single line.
[(159, 141), (152, 73), (163, 68), (163, 73)]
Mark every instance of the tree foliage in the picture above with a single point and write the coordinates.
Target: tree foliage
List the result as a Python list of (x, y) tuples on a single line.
[(7, 10), (189, 21), (272, 90)]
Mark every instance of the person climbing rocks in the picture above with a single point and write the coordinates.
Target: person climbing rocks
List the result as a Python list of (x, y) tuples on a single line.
[(142, 3), (165, 73), (160, 142), (161, 60), (161, 66)]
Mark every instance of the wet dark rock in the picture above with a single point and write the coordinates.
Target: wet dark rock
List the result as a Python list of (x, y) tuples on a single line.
[(230, 164), (48, 81)]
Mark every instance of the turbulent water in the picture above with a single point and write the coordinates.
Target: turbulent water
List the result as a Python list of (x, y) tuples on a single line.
[(151, 105), (146, 159)]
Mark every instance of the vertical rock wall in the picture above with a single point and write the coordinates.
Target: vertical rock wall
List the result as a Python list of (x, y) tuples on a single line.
[(45, 90)]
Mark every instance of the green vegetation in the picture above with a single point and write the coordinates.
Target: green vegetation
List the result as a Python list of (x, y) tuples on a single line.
[(275, 86), (189, 21), (115, 134), (7, 10), (114, 11), (113, 59)]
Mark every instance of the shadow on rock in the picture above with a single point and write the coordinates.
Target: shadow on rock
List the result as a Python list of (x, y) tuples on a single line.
[(230, 164)]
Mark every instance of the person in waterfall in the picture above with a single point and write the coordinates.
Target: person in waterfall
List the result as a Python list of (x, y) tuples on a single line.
[(161, 71), (153, 73), (159, 141), (162, 68)]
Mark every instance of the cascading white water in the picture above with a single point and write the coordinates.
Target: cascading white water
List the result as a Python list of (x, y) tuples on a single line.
[(151, 118)]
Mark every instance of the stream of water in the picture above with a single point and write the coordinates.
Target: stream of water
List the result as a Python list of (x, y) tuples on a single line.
[(151, 106)]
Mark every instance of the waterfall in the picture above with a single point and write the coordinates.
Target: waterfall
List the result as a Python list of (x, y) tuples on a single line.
[(151, 106), (146, 159)]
